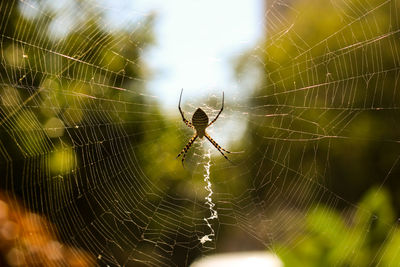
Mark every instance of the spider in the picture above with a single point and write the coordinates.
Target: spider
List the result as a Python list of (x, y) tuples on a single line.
[(200, 123)]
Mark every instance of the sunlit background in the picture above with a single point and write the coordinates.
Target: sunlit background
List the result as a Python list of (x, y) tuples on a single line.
[(196, 42), (90, 132)]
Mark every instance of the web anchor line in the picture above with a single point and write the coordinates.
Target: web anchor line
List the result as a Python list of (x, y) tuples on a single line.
[(209, 202)]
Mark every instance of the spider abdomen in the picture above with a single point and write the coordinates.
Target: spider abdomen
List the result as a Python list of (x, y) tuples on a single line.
[(200, 122)]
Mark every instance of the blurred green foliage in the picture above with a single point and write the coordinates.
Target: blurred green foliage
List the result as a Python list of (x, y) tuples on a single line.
[(328, 239), (329, 72), (328, 81), (70, 90)]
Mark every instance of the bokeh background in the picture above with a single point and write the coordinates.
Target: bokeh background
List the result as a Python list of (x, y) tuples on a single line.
[(90, 129)]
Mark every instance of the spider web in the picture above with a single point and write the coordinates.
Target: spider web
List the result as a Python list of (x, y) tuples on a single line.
[(83, 143)]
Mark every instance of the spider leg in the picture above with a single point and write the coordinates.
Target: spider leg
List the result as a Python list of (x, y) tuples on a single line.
[(220, 149), (219, 111), (188, 123), (186, 148)]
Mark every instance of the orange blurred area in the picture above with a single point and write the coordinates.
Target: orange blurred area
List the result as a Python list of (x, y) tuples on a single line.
[(28, 239)]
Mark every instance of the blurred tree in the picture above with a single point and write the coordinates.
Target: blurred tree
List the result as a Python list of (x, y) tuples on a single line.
[(69, 103), (329, 76), (328, 83), (56, 89)]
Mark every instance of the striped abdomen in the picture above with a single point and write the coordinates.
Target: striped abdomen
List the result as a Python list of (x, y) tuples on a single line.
[(200, 122)]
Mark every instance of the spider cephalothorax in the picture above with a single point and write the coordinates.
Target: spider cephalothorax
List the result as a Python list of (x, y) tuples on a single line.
[(200, 123)]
